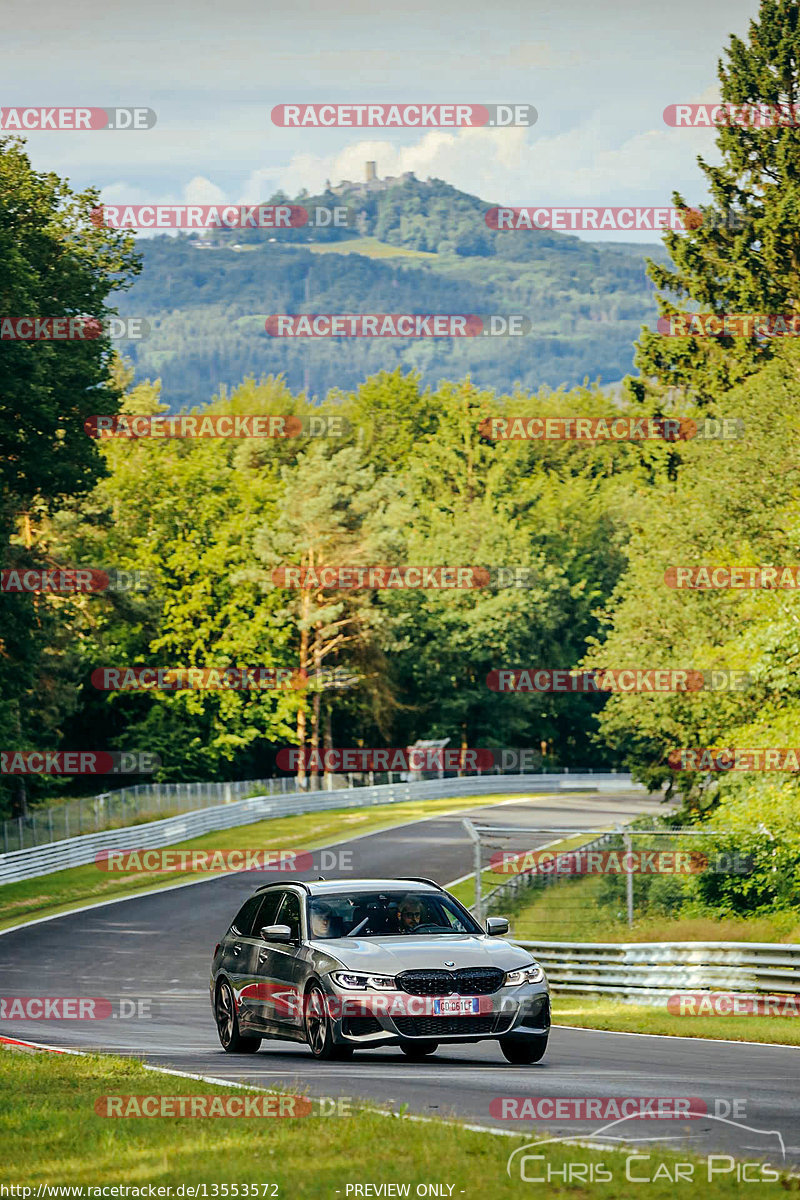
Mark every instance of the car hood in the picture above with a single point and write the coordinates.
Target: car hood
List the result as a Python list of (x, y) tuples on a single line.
[(391, 955)]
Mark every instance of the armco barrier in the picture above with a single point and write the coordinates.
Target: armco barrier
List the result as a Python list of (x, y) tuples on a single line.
[(649, 971), (78, 851)]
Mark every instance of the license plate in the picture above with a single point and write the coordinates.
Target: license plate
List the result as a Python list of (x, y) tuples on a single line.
[(455, 1006)]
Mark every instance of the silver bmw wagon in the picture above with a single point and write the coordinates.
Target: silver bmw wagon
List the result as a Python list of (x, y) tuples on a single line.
[(350, 965)]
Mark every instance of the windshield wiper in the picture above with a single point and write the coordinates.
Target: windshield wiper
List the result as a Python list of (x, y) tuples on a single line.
[(358, 927)]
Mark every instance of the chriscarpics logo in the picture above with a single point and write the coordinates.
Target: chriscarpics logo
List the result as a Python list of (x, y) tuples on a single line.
[(627, 1151)]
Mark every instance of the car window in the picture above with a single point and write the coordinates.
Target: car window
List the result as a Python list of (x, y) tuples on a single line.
[(452, 918), (268, 913), (387, 914), (289, 913), (244, 920)]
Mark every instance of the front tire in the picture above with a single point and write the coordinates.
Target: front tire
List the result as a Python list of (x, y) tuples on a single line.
[(227, 1020), (416, 1051), (523, 1050), (319, 1030)]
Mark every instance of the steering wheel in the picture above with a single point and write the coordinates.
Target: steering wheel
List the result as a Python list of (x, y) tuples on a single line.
[(430, 925)]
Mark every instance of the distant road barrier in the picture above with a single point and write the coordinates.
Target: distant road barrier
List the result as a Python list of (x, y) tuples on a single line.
[(78, 851), (649, 971)]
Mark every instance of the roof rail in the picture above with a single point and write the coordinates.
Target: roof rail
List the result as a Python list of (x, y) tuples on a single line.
[(421, 879), (282, 883)]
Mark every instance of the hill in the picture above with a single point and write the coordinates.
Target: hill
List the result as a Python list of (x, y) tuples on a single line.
[(413, 247)]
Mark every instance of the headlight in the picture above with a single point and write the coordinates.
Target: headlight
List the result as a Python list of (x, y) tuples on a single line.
[(357, 982), (530, 974)]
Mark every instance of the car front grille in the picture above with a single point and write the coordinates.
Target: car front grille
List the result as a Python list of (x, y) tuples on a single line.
[(432, 1027), (470, 981)]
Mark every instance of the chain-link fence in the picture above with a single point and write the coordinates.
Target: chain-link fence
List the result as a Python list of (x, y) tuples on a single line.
[(149, 801), (128, 806), (599, 884)]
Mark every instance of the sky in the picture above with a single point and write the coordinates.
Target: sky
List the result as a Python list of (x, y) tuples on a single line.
[(599, 77)]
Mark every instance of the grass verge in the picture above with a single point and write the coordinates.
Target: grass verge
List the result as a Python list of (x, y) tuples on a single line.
[(577, 910), (48, 895), (52, 1134), (601, 1012)]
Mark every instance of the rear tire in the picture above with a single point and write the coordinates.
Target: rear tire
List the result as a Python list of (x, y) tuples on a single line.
[(523, 1050), (416, 1051), (227, 1020), (319, 1030)]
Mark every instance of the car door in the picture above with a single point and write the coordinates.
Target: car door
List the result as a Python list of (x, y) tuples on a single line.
[(280, 973), (239, 959), (255, 984)]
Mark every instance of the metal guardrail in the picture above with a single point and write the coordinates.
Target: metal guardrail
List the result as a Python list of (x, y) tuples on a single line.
[(79, 851), (650, 971), (152, 801)]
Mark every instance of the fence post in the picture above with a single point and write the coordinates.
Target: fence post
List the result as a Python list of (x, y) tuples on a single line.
[(5, 837), (21, 845), (629, 878)]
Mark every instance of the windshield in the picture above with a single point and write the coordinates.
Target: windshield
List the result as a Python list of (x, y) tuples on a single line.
[(386, 914)]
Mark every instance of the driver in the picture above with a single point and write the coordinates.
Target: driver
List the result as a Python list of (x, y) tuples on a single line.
[(409, 914), (323, 921)]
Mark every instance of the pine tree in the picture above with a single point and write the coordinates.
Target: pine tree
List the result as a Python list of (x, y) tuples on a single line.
[(745, 255)]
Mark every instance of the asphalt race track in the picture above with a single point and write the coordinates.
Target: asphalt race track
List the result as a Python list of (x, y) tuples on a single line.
[(159, 947)]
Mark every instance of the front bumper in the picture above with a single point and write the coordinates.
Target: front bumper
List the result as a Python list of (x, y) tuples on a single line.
[(359, 1019)]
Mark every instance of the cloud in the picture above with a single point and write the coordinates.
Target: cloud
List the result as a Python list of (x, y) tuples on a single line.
[(582, 166)]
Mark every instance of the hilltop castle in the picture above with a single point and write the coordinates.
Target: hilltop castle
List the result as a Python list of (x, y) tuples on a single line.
[(371, 182)]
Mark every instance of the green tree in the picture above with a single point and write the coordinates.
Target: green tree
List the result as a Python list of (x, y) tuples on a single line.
[(745, 256), (56, 262), (334, 511)]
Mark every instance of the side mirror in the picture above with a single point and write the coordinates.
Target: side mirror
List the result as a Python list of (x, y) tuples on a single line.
[(276, 933), (496, 925)]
